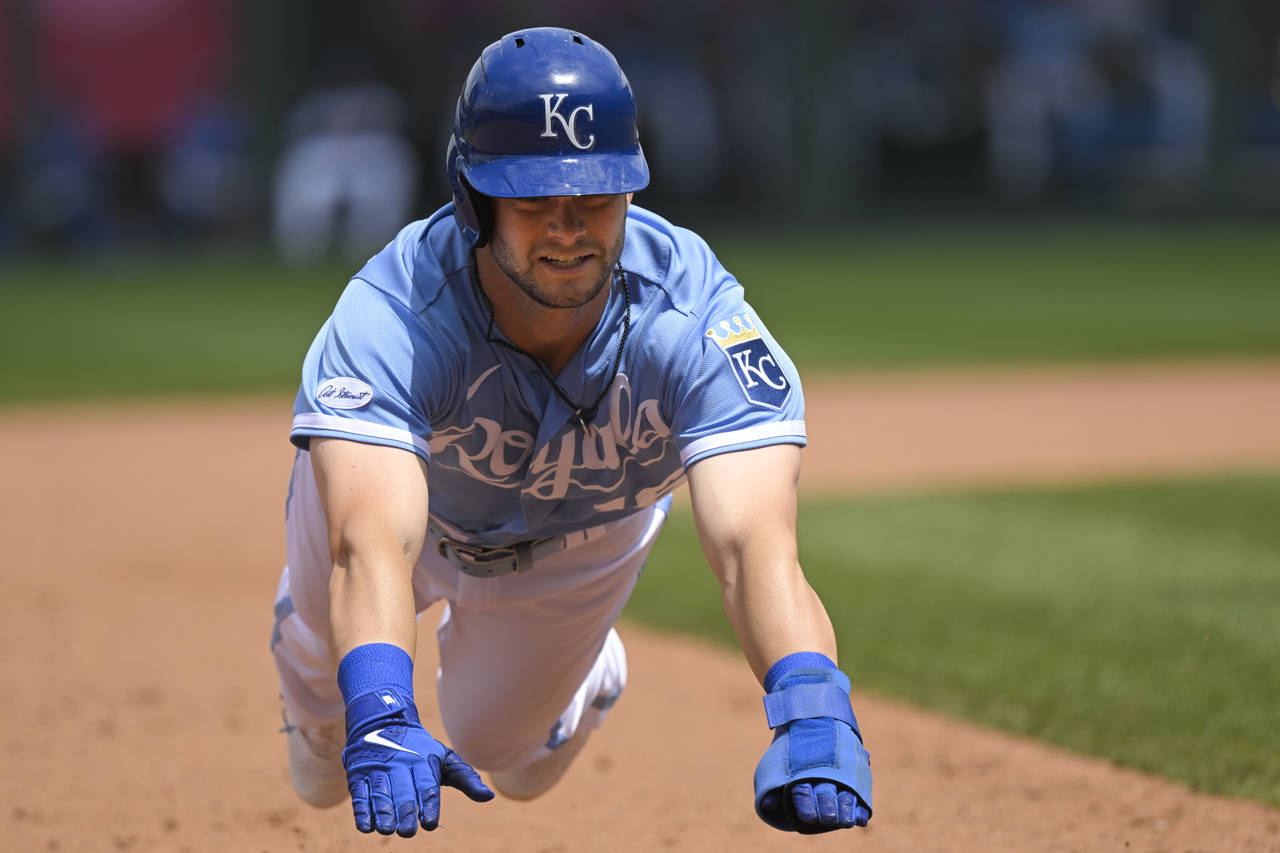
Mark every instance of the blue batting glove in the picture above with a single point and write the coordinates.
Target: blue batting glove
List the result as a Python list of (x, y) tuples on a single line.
[(816, 775), (395, 769)]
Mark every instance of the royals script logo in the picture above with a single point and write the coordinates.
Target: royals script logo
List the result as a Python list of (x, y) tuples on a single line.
[(754, 366), (570, 124), (628, 442)]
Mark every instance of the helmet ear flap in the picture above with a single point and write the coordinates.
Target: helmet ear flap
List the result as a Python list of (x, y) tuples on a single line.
[(481, 212), (472, 210)]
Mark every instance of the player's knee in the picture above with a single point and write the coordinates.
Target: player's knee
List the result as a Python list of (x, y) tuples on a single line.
[(536, 778), (491, 734), (495, 750)]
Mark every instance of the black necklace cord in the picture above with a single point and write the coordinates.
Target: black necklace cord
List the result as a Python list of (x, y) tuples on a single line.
[(583, 414)]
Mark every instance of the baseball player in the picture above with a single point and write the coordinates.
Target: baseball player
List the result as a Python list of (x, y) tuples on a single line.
[(547, 362)]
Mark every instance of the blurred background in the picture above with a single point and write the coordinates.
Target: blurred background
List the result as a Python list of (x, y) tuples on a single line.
[(1081, 196), (319, 127)]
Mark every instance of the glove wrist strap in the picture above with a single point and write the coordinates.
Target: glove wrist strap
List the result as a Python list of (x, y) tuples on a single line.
[(378, 707), (376, 680), (807, 701)]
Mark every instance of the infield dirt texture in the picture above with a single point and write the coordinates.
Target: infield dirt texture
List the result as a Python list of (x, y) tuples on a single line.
[(143, 544)]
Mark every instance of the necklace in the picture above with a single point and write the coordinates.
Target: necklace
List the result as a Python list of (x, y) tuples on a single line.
[(583, 414)]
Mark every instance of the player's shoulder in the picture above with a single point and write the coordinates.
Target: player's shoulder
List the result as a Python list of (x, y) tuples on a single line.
[(416, 267), (676, 259)]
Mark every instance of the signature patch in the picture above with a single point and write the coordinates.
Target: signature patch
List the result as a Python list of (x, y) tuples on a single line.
[(343, 392), (754, 366)]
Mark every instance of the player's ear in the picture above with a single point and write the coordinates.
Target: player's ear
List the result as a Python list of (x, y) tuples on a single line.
[(630, 196)]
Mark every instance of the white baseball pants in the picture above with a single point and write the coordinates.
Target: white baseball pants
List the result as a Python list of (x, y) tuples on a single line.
[(526, 659)]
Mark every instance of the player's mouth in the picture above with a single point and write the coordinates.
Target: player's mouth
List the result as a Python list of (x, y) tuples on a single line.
[(566, 263)]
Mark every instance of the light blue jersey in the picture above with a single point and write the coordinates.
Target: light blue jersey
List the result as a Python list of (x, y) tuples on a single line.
[(404, 361)]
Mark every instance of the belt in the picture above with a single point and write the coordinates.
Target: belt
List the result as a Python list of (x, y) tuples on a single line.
[(486, 561)]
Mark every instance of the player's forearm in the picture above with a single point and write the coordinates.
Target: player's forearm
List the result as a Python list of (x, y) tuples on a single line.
[(375, 502), (371, 601), (744, 505), (774, 613)]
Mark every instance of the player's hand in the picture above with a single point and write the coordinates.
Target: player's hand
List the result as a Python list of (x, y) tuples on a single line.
[(395, 768), (813, 806), (816, 775)]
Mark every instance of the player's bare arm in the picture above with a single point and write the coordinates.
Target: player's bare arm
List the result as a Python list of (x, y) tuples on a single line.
[(744, 504), (375, 499), (815, 776)]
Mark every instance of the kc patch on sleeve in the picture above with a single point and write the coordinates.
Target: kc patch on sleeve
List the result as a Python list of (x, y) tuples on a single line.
[(757, 371)]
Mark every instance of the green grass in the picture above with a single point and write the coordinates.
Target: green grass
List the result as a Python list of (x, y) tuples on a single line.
[(1038, 292), (1138, 622), (844, 298), (158, 325)]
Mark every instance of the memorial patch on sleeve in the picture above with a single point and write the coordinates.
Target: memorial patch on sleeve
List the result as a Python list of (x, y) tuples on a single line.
[(757, 371), (343, 392)]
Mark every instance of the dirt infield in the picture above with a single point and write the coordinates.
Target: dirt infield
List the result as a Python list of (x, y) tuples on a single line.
[(144, 543)]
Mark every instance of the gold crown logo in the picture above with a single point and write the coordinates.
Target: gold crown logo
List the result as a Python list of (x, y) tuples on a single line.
[(741, 329)]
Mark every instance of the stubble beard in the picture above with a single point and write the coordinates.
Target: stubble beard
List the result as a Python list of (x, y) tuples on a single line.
[(523, 276)]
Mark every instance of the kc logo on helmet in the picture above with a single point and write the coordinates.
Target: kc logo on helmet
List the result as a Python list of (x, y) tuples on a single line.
[(754, 366), (569, 124)]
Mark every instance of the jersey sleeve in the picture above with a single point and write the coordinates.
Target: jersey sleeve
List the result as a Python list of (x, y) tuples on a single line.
[(738, 389), (369, 376)]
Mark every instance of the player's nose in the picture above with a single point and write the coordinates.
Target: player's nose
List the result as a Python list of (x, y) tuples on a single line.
[(565, 220)]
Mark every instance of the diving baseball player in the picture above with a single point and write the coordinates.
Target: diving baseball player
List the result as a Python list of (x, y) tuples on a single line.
[(496, 415)]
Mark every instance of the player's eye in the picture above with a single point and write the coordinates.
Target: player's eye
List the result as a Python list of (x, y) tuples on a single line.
[(532, 205)]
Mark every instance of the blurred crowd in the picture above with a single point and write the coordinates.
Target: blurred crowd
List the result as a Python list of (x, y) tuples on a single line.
[(320, 125)]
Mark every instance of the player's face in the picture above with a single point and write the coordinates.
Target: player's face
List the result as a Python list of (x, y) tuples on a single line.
[(560, 250)]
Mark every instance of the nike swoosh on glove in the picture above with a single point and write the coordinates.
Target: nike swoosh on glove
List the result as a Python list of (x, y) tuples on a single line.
[(395, 768)]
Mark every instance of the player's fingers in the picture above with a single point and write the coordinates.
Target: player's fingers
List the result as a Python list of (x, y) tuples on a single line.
[(459, 774), (825, 795), (771, 801), (848, 801), (405, 794), (424, 782), (802, 800), (359, 787), (384, 813), (861, 815)]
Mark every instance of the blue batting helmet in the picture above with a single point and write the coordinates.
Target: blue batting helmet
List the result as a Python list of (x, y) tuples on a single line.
[(544, 112)]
